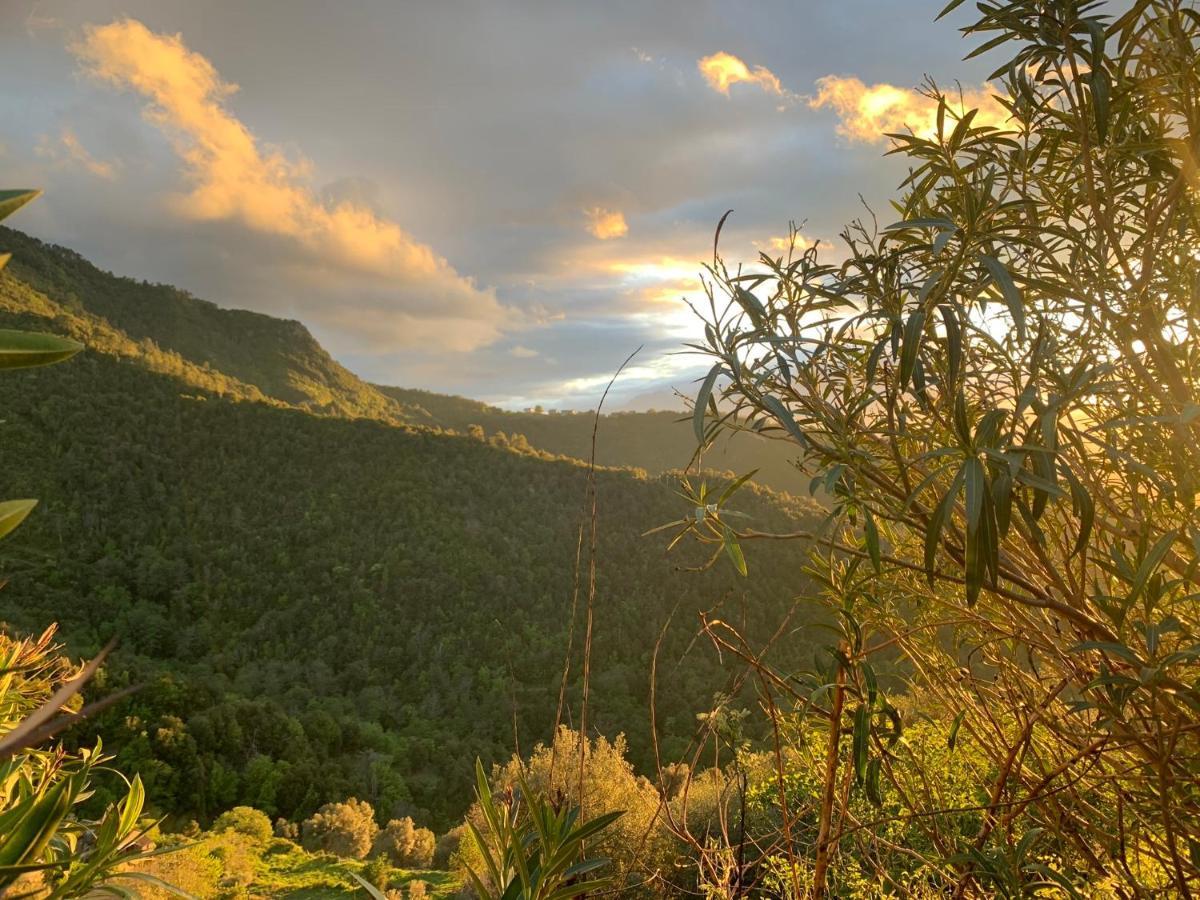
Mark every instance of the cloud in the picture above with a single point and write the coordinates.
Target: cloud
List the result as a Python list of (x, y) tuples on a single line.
[(723, 69), (416, 297), (797, 244), (868, 114), (523, 352), (606, 223), (68, 150)]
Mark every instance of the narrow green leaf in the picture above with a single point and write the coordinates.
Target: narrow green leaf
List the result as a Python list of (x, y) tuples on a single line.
[(702, 399), (1012, 294), (862, 735), (735, 552), (1101, 91), (939, 223), (914, 330), (871, 534), (873, 793), (13, 513), (976, 488), (952, 738), (23, 349), (953, 344), (11, 201), (785, 418), (937, 522)]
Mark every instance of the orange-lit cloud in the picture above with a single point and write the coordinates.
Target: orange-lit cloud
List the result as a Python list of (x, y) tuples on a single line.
[(784, 244), (868, 114), (67, 150), (723, 69), (606, 224), (235, 178)]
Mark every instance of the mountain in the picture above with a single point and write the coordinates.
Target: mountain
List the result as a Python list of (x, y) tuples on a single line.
[(321, 596), (237, 353), (247, 355)]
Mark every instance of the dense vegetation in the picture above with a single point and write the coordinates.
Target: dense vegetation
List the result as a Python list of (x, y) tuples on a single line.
[(335, 614), (999, 388), (245, 355), (657, 441), (323, 607)]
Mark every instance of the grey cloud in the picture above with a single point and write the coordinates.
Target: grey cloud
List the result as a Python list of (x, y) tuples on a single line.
[(485, 129)]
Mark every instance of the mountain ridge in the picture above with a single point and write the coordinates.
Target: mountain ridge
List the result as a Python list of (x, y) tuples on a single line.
[(326, 605), (262, 358)]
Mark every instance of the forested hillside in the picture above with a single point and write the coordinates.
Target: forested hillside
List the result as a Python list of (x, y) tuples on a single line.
[(248, 355), (657, 441), (322, 606), (243, 353)]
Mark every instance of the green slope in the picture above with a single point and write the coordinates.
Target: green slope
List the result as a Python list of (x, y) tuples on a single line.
[(252, 356), (279, 357), (656, 441), (322, 606)]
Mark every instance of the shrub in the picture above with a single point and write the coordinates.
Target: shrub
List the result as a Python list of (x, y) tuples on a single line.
[(637, 843), (245, 820), (406, 845), (417, 890), (343, 829), (287, 829), (379, 872), (447, 845), (997, 391)]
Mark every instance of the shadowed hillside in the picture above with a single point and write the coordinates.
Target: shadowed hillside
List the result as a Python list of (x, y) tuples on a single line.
[(322, 606), (657, 441)]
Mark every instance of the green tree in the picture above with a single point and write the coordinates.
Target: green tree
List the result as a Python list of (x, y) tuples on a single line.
[(343, 829), (245, 820)]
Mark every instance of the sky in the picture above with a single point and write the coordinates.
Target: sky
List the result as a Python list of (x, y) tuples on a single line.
[(496, 199)]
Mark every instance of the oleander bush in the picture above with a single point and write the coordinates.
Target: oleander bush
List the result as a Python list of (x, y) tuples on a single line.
[(996, 383)]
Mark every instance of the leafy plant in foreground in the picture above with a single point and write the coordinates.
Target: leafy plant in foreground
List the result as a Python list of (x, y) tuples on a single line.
[(999, 390), (532, 850)]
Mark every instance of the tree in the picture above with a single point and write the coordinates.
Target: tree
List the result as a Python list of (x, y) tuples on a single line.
[(405, 845), (999, 391), (245, 820), (343, 829)]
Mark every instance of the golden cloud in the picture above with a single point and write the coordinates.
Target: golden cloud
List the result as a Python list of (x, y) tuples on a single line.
[(723, 69), (235, 178), (68, 150), (606, 224), (868, 114)]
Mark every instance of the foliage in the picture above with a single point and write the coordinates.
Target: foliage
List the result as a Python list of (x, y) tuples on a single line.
[(312, 602), (236, 353), (246, 820), (403, 843), (378, 871), (232, 866), (999, 391), (447, 847), (531, 848), (600, 782), (343, 829), (657, 441)]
